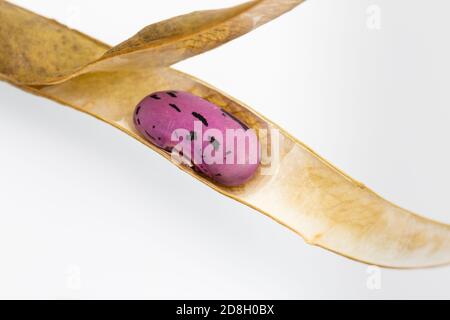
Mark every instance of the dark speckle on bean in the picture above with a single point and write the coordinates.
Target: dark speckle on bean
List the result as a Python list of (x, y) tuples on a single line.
[(200, 117), (175, 107), (155, 96), (214, 142), (192, 135), (173, 94)]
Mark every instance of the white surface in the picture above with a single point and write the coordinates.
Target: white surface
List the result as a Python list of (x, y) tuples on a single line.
[(87, 212)]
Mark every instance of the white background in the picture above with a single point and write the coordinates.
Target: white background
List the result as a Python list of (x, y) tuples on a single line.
[(87, 212)]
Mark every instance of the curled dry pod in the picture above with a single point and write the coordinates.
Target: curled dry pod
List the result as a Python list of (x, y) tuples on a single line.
[(305, 193)]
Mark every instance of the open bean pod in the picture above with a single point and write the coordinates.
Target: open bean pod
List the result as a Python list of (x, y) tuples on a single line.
[(302, 192)]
